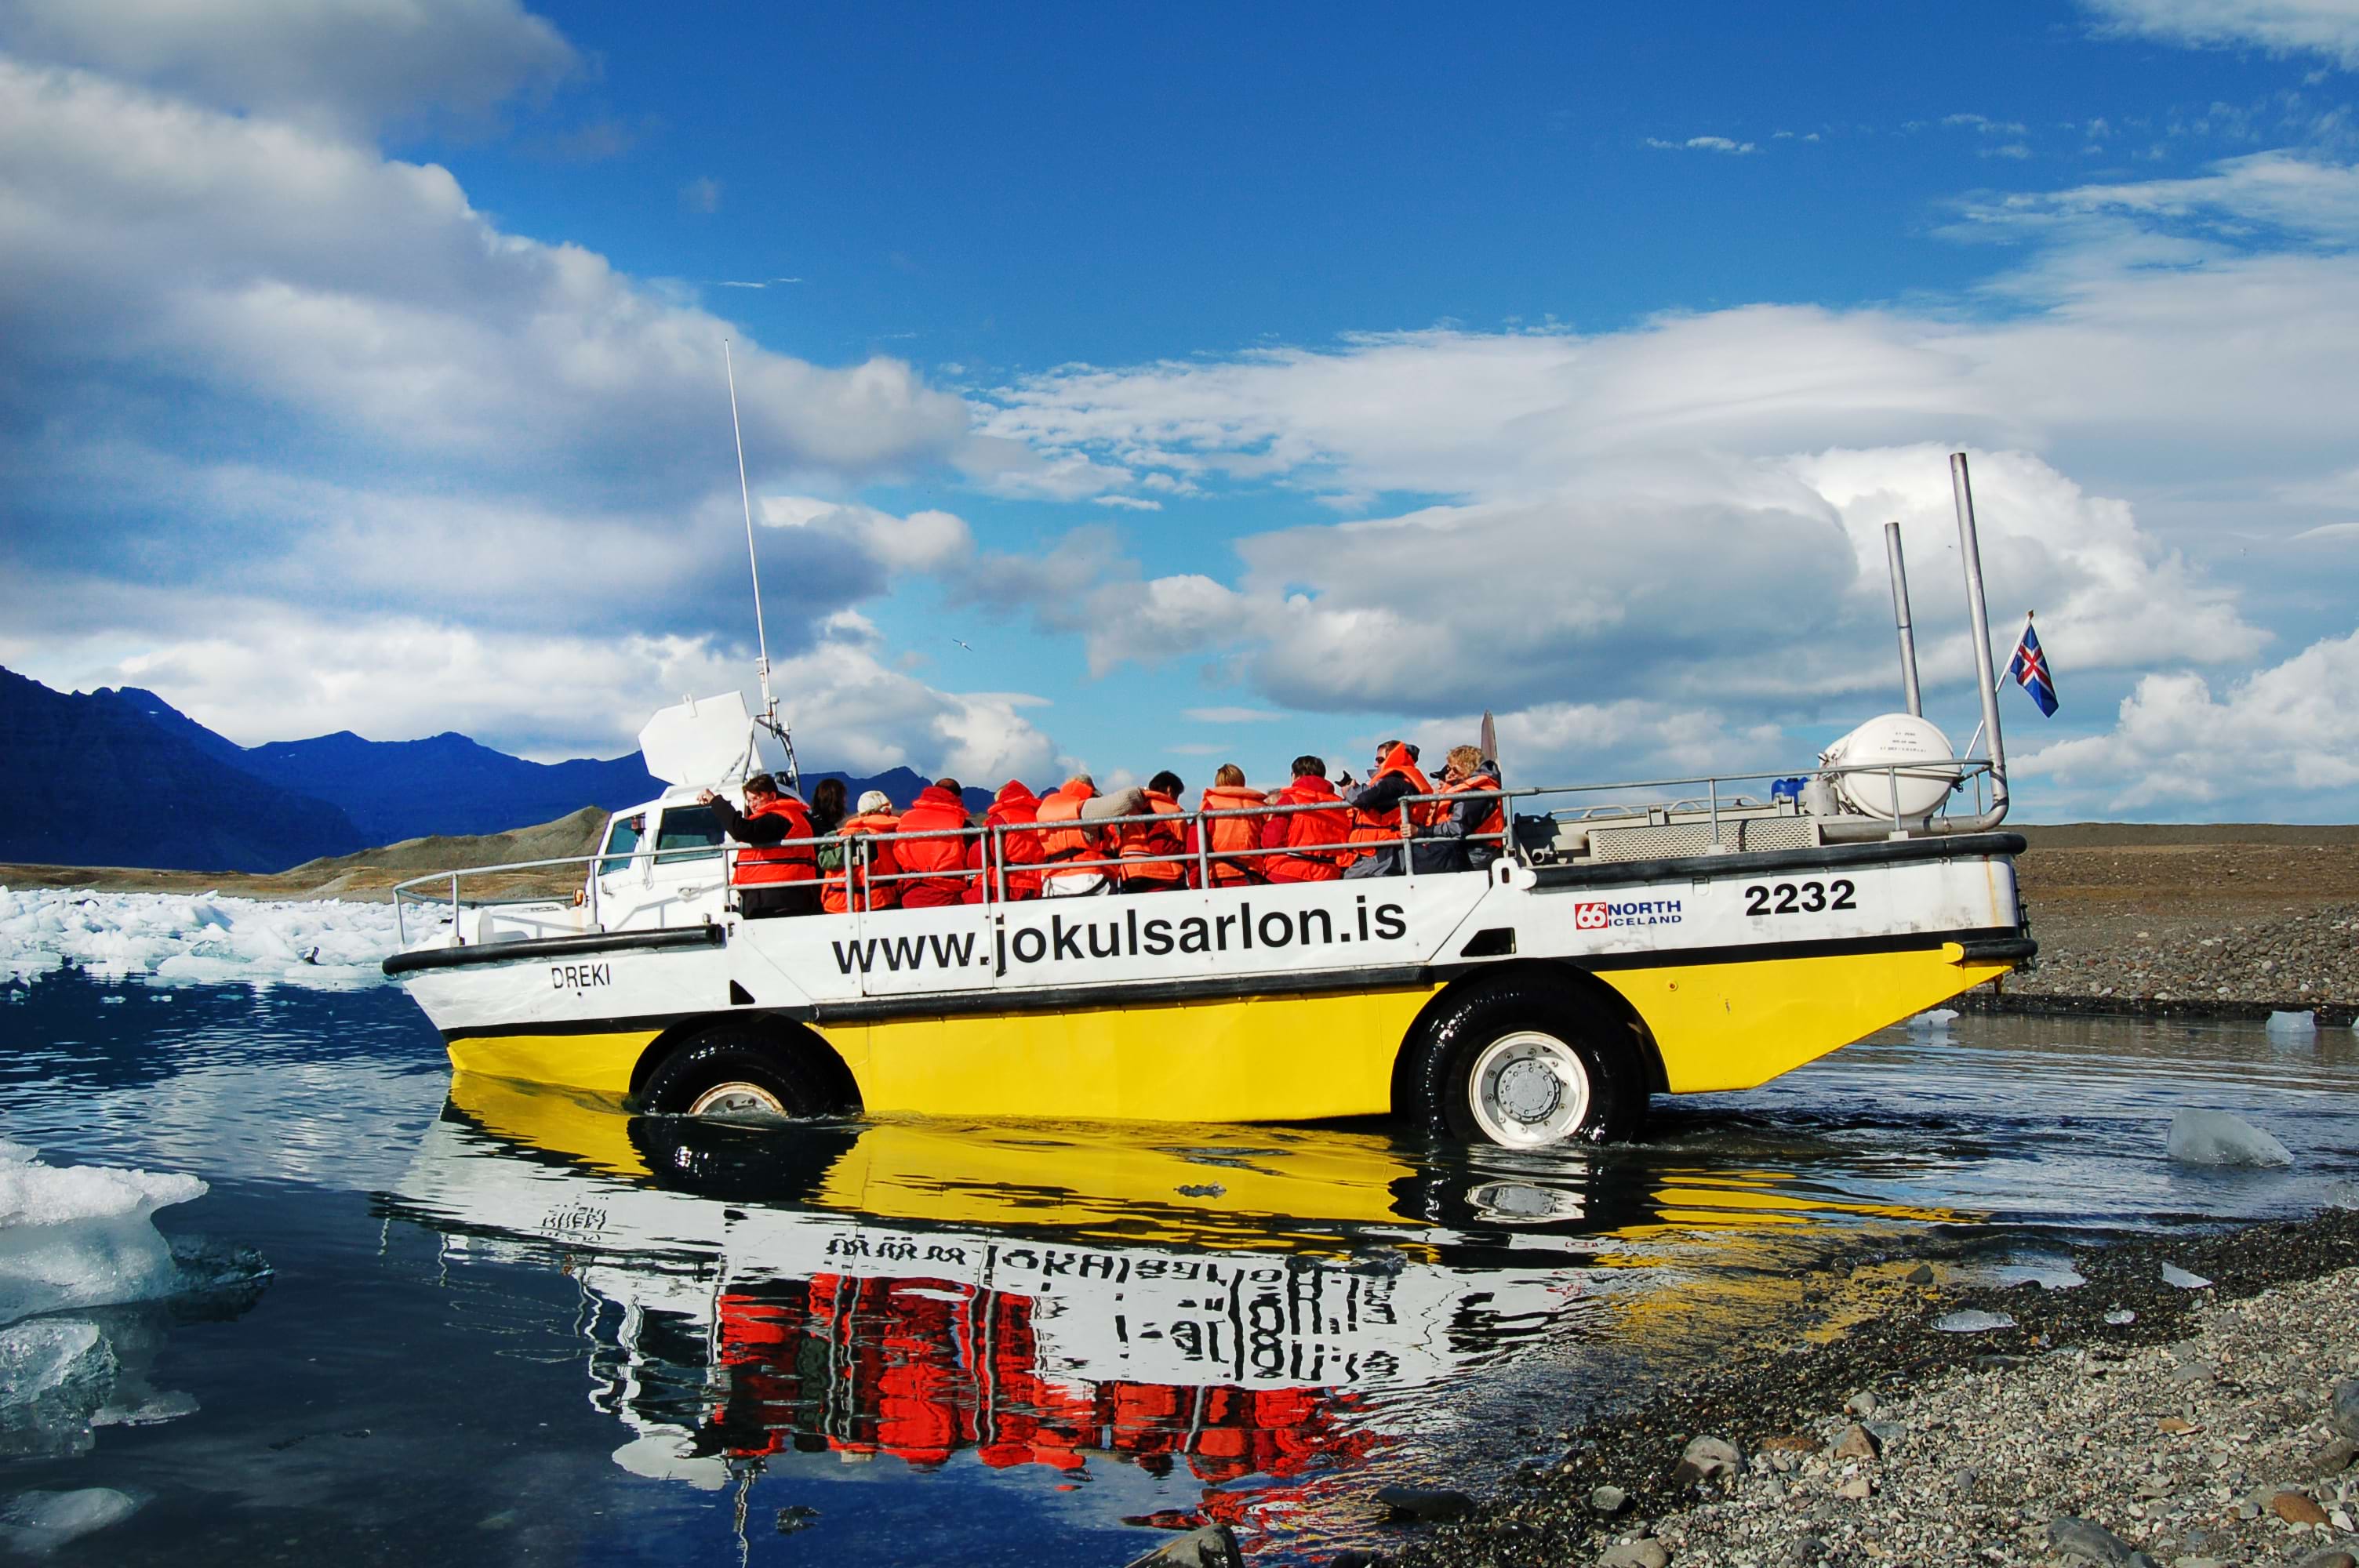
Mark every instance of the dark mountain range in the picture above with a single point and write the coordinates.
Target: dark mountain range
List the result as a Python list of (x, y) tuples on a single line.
[(123, 778), (446, 783), (95, 781)]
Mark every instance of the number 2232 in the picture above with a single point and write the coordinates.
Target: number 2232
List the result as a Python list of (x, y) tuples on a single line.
[(1799, 898)]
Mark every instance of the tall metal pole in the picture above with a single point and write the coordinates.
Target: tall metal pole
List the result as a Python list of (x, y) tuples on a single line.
[(745, 497), (1969, 551), (761, 633), (1900, 619)]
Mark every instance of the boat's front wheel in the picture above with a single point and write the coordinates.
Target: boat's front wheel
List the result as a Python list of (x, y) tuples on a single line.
[(1525, 1063), (732, 1075)]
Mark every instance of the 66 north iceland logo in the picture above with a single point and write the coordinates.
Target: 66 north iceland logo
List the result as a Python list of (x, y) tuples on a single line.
[(1643, 911)]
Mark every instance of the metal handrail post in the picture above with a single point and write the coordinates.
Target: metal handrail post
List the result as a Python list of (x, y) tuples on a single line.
[(999, 859), (1711, 787), (459, 938)]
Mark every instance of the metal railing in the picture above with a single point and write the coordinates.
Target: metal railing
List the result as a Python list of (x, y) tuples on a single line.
[(862, 871)]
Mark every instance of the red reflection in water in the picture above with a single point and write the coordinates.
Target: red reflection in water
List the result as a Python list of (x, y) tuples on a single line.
[(923, 1369)]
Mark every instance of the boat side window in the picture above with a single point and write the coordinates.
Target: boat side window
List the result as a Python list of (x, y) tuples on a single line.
[(623, 835), (688, 833)]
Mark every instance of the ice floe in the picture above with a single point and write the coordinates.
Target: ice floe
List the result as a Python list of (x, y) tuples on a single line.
[(80, 1236), (38, 1523), (1972, 1320), (197, 939), (2215, 1138)]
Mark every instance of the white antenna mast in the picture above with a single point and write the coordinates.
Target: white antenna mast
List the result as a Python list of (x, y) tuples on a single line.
[(769, 719)]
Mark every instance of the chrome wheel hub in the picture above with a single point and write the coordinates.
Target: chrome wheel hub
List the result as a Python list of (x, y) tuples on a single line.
[(1528, 1089), (737, 1100)]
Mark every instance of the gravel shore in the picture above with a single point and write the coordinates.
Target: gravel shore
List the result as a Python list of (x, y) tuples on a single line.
[(2227, 921), (2176, 1402)]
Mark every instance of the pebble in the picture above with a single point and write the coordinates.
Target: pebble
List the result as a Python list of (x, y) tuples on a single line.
[(2343, 1409), (1707, 1459), (2094, 1544), (1922, 1274), (1609, 1500), (1860, 1404), (1856, 1443), (1859, 1489), (1636, 1554), (1214, 1546), (2294, 1508), (2332, 1557), (1423, 1504)]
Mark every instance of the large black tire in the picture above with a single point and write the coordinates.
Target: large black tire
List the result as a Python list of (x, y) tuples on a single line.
[(1525, 1063), (735, 1074)]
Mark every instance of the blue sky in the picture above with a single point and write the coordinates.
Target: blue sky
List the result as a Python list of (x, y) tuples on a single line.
[(1235, 382)]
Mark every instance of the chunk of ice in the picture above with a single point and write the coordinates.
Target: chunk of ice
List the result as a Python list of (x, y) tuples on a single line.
[(2303, 1023), (38, 1523), (2215, 1138), (208, 938), (79, 1234), (2172, 1274), (1972, 1320), (55, 1373), (1934, 1018)]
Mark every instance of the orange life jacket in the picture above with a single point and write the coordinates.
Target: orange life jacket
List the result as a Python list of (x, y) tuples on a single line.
[(1315, 840), (1014, 808), (835, 897), (794, 861), (1143, 839), (936, 810), (1227, 835), (1496, 820), (1386, 828), (1066, 845)]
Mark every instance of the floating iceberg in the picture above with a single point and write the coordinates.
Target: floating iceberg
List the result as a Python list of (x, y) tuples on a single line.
[(1934, 1019), (201, 939), (2303, 1023), (2215, 1138), (38, 1523), (80, 1236)]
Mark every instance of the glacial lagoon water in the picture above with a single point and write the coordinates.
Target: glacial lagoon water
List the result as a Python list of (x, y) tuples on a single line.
[(506, 1325)]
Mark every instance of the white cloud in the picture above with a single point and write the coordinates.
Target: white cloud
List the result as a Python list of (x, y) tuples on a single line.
[(929, 541), (346, 66), (2285, 27), (271, 674), (1703, 144), (2281, 738), (400, 409)]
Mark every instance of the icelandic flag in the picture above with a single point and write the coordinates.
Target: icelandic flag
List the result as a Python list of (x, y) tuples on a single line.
[(2029, 670)]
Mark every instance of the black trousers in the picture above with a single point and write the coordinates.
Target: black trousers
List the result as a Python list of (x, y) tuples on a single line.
[(778, 898)]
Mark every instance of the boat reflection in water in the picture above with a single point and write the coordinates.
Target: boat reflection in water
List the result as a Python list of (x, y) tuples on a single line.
[(1252, 1315)]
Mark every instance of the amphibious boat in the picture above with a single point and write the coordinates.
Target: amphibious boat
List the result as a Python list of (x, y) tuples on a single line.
[(1630, 939)]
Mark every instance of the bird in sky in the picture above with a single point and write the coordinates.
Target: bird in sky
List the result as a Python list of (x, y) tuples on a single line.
[(963, 644)]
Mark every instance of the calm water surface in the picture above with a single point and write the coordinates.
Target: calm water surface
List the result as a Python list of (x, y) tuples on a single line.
[(516, 1327)]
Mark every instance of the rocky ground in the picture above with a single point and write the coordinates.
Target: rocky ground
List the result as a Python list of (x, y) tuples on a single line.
[(2179, 1407), (2226, 920)]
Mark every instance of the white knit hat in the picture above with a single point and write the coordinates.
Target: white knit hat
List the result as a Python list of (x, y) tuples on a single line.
[(875, 800)]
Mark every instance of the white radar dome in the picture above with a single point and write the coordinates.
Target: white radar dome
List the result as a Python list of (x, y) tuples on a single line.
[(1922, 775)]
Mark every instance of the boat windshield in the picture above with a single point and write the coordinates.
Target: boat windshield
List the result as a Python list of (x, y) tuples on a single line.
[(688, 833), (622, 837)]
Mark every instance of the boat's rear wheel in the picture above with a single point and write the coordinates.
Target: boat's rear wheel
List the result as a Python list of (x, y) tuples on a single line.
[(1525, 1063), (733, 1073)]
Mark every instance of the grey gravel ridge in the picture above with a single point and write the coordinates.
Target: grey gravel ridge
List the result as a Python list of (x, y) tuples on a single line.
[(2123, 1421)]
